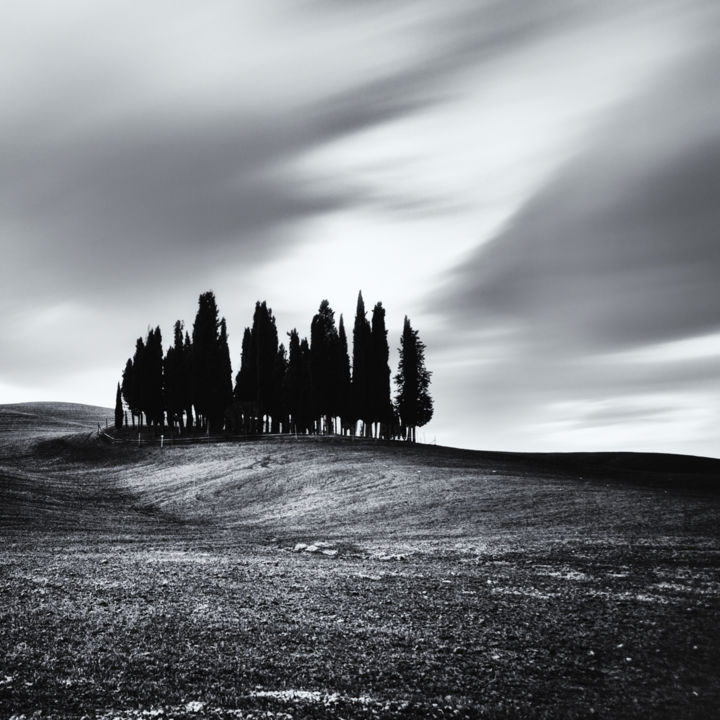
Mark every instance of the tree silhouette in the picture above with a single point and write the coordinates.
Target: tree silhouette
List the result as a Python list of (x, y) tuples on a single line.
[(245, 392), (186, 384), (294, 382), (174, 378), (278, 407), (306, 417), (118, 409), (360, 367), (414, 404), (138, 380), (344, 382), (152, 381), (380, 404), (211, 396), (325, 365), (129, 388), (265, 343), (224, 387)]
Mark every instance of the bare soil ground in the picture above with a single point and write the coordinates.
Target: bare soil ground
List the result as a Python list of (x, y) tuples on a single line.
[(139, 582)]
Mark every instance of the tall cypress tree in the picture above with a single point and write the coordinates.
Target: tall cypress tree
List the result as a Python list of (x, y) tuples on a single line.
[(278, 402), (293, 381), (306, 417), (360, 366), (118, 409), (380, 410), (265, 340), (324, 364), (414, 404), (344, 383), (152, 371), (129, 388), (139, 380), (245, 392), (186, 385), (208, 367), (175, 378), (224, 386)]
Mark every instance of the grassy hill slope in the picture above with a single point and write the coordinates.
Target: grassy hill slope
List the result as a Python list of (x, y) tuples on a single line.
[(144, 582), (364, 491)]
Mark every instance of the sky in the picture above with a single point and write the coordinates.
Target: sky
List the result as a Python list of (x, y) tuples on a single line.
[(536, 185)]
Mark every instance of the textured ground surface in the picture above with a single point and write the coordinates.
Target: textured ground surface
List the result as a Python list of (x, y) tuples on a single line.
[(145, 582)]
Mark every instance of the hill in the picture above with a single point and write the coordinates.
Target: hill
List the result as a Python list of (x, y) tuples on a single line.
[(322, 577), (371, 491)]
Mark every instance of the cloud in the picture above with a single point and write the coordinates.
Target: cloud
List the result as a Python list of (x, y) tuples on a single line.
[(620, 247), (575, 310)]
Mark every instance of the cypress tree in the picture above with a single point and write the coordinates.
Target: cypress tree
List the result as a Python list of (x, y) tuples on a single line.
[(324, 363), (306, 417), (152, 382), (174, 378), (118, 409), (278, 402), (210, 395), (138, 380), (360, 369), (224, 386), (380, 410), (129, 388), (344, 385), (265, 341), (186, 384), (413, 401), (245, 392), (293, 381)]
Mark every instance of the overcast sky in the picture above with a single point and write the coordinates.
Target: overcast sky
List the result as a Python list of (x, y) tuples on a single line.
[(536, 184)]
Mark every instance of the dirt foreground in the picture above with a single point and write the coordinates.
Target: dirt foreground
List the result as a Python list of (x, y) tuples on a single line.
[(297, 579)]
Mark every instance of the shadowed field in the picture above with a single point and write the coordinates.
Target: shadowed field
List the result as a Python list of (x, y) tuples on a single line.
[(149, 582)]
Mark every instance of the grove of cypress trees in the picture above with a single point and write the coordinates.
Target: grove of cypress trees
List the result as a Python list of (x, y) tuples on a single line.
[(306, 389), (414, 404)]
